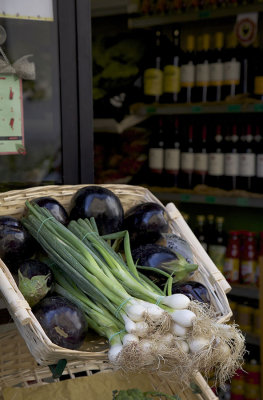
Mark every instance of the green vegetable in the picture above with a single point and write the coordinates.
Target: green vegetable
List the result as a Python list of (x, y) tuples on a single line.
[(136, 394)]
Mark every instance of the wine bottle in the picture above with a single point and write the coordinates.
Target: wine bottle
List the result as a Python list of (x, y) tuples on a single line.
[(188, 72), (231, 160), (218, 243), (153, 74), (232, 68), (156, 154), (171, 82), (259, 162), (172, 153), (247, 162), (215, 176), (258, 77), (203, 70), (216, 69), (200, 232), (201, 159), (187, 161)]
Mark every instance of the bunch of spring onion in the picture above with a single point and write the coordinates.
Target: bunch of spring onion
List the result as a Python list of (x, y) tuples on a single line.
[(145, 327)]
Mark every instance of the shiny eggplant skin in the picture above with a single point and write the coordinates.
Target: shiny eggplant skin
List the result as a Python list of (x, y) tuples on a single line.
[(193, 290), (54, 207), (62, 321), (100, 203), (16, 243), (153, 255), (145, 223)]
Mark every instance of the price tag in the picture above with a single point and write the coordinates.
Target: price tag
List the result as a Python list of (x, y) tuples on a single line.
[(204, 14), (242, 201), (210, 199), (185, 197), (258, 107), (11, 111), (151, 110), (234, 108), (196, 109)]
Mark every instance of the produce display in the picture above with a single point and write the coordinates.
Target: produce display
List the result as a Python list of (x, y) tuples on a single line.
[(116, 280)]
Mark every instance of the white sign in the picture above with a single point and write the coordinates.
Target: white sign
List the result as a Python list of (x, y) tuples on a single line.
[(41, 10)]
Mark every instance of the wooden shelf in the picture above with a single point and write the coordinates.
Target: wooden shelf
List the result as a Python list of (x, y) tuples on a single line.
[(189, 16), (207, 108), (234, 201)]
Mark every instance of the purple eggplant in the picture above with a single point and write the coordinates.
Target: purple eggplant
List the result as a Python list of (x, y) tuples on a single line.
[(157, 259), (146, 222), (62, 321), (54, 207), (100, 203), (16, 243), (193, 290), (35, 280)]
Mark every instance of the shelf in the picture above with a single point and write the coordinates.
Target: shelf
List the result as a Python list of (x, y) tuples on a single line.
[(200, 15), (209, 108), (244, 291), (208, 199)]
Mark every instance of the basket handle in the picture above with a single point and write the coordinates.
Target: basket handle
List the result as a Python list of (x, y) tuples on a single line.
[(16, 304)]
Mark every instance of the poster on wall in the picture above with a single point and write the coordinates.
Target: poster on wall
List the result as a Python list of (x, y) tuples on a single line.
[(40, 10), (11, 115)]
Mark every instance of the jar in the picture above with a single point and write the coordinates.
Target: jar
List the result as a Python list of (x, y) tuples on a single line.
[(248, 263), (231, 264)]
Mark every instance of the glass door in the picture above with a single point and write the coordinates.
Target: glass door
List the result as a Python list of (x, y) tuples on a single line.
[(45, 130)]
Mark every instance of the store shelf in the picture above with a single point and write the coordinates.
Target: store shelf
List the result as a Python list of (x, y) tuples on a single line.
[(104, 8), (200, 15), (244, 291), (208, 199), (209, 108)]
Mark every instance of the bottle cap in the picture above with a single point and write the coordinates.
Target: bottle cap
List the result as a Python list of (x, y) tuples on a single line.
[(258, 85), (200, 218), (219, 40), (220, 220), (206, 41), (231, 40), (190, 42), (199, 42), (211, 218)]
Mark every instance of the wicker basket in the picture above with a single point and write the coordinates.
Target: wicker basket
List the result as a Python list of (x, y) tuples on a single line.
[(19, 368), (44, 351)]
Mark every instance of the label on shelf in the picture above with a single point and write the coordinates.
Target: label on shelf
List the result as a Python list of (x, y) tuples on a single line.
[(153, 82), (172, 159), (202, 74), (231, 164), (216, 164), (260, 165), (188, 75), (247, 164), (232, 72), (200, 162), (216, 74), (231, 269), (156, 157), (187, 161), (171, 83)]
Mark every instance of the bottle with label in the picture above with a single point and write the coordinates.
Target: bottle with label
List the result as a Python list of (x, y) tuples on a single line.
[(210, 227), (232, 68), (258, 77), (216, 160), (203, 70), (200, 232), (216, 69), (187, 161), (156, 155), (171, 78), (248, 261), (231, 160), (172, 153), (247, 161), (201, 159), (188, 71), (259, 159), (232, 258), (218, 242), (153, 74)]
